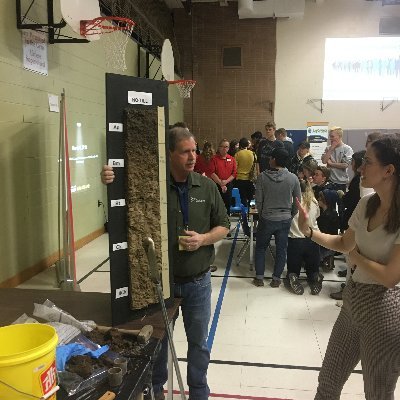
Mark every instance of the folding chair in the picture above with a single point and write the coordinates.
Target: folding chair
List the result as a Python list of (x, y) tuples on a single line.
[(246, 232), (236, 209)]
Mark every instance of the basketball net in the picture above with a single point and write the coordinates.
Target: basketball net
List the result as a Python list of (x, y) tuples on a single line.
[(114, 47), (115, 32), (185, 86)]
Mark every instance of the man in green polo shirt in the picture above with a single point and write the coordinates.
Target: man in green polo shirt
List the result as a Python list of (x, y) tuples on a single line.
[(197, 219)]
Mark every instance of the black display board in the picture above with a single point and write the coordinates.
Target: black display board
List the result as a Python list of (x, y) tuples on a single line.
[(117, 92)]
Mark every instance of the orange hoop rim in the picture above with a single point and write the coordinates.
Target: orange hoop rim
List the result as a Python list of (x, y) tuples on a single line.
[(184, 86), (95, 26), (182, 81)]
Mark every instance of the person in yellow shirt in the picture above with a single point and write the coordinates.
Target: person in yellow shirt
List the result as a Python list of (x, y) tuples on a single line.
[(246, 162)]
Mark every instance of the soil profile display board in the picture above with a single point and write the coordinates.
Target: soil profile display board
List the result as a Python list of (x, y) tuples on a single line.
[(137, 121)]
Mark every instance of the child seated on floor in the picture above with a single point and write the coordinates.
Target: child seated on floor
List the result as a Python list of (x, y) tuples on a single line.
[(328, 222), (302, 250)]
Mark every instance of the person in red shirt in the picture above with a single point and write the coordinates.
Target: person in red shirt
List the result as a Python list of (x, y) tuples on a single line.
[(204, 164), (223, 172)]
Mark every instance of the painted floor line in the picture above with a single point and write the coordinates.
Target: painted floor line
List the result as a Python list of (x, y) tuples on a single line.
[(217, 311), (265, 365), (92, 271), (235, 396)]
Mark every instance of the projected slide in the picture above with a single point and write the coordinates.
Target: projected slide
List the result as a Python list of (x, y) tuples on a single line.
[(362, 68)]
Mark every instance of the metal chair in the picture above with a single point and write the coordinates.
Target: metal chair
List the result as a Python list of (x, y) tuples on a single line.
[(244, 222)]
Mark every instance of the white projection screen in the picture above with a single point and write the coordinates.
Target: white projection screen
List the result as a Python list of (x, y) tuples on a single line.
[(362, 68)]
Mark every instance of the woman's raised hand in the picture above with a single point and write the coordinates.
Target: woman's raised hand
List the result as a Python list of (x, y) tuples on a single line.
[(303, 219)]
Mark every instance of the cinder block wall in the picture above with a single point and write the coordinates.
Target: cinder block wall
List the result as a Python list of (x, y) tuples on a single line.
[(29, 143), (226, 102)]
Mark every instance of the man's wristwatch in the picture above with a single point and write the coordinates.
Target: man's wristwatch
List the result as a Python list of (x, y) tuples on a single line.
[(311, 232)]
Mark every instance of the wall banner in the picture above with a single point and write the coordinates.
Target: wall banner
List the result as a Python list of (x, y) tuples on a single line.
[(317, 136), (34, 45)]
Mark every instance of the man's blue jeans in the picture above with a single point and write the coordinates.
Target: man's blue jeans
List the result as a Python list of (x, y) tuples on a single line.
[(265, 230), (196, 313)]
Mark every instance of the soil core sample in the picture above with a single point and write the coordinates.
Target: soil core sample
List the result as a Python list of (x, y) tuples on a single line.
[(146, 200)]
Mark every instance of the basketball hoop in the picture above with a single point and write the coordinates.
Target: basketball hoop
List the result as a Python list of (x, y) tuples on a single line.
[(114, 45), (185, 86)]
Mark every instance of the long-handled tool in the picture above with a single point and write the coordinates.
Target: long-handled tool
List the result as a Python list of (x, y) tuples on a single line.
[(148, 245)]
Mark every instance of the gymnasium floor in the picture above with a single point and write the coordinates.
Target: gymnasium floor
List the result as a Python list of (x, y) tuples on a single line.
[(265, 343)]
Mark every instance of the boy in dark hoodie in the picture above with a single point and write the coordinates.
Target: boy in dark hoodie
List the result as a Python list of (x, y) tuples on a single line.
[(328, 222), (321, 180), (276, 192), (266, 146)]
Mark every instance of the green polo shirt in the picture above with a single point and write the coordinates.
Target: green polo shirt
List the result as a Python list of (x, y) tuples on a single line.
[(206, 211)]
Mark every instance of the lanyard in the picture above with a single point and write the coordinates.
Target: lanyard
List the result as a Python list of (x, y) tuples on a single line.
[(183, 193)]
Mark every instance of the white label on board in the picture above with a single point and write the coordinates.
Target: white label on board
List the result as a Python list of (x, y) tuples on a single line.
[(115, 127), (121, 292), (116, 162), (143, 98), (118, 203), (53, 103), (120, 246)]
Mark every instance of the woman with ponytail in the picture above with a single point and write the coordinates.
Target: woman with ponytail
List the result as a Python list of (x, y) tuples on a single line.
[(302, 250), (368, 326)]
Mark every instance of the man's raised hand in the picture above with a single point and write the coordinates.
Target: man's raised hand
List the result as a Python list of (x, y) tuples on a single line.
[(107, 175)]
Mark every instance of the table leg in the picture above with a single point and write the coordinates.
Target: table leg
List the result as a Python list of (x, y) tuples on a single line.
[(170, 383), (251, 241)]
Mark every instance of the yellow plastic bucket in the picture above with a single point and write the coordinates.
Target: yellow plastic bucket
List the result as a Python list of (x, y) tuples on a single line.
[(27, 361)]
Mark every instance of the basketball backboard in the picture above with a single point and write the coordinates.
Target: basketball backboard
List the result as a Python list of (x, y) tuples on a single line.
[(73, 11), (167, 61)]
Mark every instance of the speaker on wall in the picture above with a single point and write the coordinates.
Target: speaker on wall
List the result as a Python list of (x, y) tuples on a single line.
[(232, 57)]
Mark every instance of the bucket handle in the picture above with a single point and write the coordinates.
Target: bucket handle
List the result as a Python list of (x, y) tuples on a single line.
[(46, 396)]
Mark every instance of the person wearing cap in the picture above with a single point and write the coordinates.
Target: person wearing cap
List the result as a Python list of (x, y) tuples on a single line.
[(302, 155), (276, 191), (337, 157)]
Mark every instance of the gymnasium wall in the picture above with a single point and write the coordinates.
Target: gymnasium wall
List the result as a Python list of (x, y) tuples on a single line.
[(29, 136), (300, 65), (226, 102), (235, 102)]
